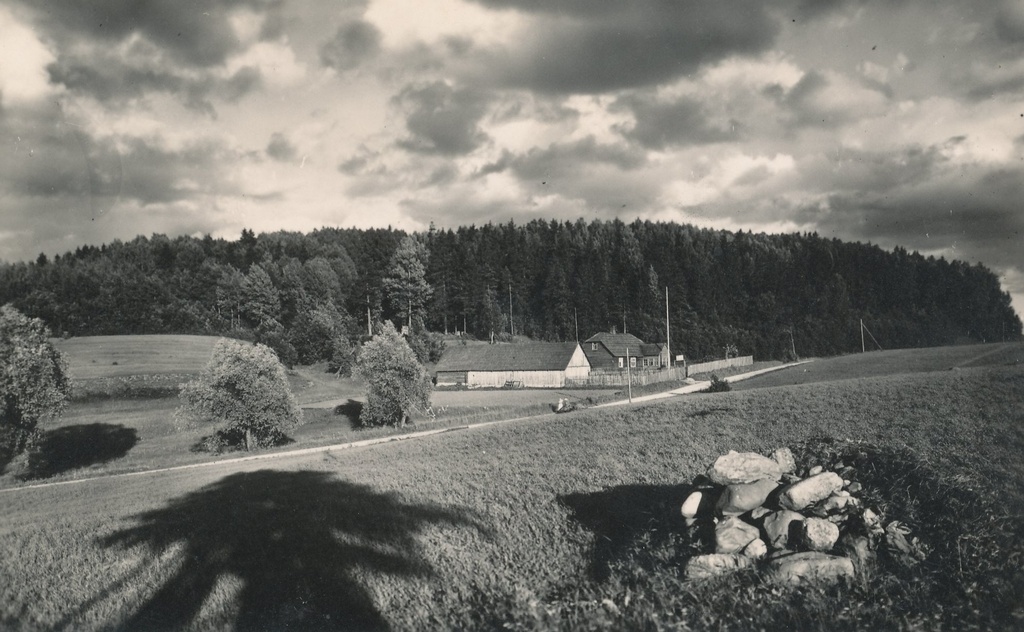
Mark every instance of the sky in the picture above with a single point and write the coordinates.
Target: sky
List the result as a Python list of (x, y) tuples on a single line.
[(899, 123)]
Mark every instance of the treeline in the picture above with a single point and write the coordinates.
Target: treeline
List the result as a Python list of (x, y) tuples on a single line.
[(306, 294)]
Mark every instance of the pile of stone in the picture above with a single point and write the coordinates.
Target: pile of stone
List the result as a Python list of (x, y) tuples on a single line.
[(755, 511)]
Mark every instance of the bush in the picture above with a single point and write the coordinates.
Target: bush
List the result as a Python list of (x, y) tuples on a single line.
[(246, 387), (343, 357), (428, 347), (34, 382), (718, 385), (396, 380)]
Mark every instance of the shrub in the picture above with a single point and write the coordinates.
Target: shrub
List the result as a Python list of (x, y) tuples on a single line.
[(396, 380), (343, 356), (428, 347), (718, 385), (246, 387), (34, 382)]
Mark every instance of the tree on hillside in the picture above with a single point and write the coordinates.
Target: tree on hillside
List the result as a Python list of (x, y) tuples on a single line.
[(406, 280), (396, 381), (34, 382), (245, 386)]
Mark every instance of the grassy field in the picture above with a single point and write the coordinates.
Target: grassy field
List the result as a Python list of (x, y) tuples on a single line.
[(563, 522), (91, 357)]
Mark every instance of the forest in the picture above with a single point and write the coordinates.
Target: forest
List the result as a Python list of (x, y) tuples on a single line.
[(311, 295)]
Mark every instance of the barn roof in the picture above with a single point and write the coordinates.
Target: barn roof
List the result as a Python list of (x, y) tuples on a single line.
[(535, 356), (617, 343)]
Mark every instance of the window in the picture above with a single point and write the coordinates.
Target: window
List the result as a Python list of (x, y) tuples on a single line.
[(593, 346), (620, 363), (632, 362)]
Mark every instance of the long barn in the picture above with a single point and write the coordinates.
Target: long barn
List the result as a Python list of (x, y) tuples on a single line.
[(530, 365)]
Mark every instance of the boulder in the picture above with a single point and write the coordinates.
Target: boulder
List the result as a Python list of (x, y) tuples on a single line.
[(777, 527), (691, 505), (732, 535), (740, 498), (810, 490), (743, 467), (759, 512), (819, 535), (837, 502), (784, 457), (756, 549), (714, 564), (810, 566)]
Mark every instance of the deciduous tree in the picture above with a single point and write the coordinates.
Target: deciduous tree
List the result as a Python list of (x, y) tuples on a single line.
[(243, 386), (34, 382), (395, 379)]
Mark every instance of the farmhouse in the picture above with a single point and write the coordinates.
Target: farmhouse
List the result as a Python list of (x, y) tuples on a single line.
[(608, 352), (538, 365)]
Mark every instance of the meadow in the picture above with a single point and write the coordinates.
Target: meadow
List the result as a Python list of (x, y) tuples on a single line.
[(557, 522)]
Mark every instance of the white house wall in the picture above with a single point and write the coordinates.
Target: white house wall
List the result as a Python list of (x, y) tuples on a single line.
[(531, 379)]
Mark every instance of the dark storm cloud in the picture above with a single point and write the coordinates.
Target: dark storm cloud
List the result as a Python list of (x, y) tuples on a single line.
[(117, 51), (685, 121), (55, 159), (353, 43), (115, 80), (280, 148), (197, 34), (560, 160), (441, 119), (975, 212), (580, 46)]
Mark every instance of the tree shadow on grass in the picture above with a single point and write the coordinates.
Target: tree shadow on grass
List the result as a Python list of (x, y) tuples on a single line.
[(626, 518), (351, 410), (73, 447), (298, 541)]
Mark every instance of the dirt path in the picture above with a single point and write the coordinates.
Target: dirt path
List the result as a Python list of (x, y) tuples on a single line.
[(379, 440)]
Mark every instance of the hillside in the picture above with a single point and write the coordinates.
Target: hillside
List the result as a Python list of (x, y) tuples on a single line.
[(91, 357), (538, 524), (768, 295)]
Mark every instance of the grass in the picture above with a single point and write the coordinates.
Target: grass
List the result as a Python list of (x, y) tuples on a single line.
[(92, 357), (562, 522)]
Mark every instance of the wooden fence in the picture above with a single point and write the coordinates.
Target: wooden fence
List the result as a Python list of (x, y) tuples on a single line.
[(718, 365), (643, 378)]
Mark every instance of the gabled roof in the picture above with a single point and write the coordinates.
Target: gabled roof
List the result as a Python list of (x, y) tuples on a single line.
[(649, 349), (534, 356), (617, 343)]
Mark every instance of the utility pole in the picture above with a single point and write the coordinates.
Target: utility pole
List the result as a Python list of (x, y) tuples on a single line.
[(576, 322), (511, 322), (668, 333), (369, 323), (862, 335), (792, 344), (629, 378)]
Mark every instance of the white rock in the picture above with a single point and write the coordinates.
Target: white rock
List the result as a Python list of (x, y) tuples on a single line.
[(743, 467), (814, 471), (732, 535), (784, 457), (777, 527), (819, 535), (756, 549), (713, 564), (811, 566), (810, 490), (692, 504)]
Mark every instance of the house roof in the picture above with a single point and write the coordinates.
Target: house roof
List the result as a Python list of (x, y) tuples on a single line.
[(649, 349), (617, 343), (535, 356)]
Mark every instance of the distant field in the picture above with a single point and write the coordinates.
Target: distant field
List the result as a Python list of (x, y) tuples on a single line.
[(900, 361), (537, 525), (93, 357)]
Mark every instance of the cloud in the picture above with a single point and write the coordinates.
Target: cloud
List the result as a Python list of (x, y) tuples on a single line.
[(280, 148), (197, 36), (441, 119), (575, 46), (23, 61), (559, 160), (829, 99), (354, 42), (660, 123)]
